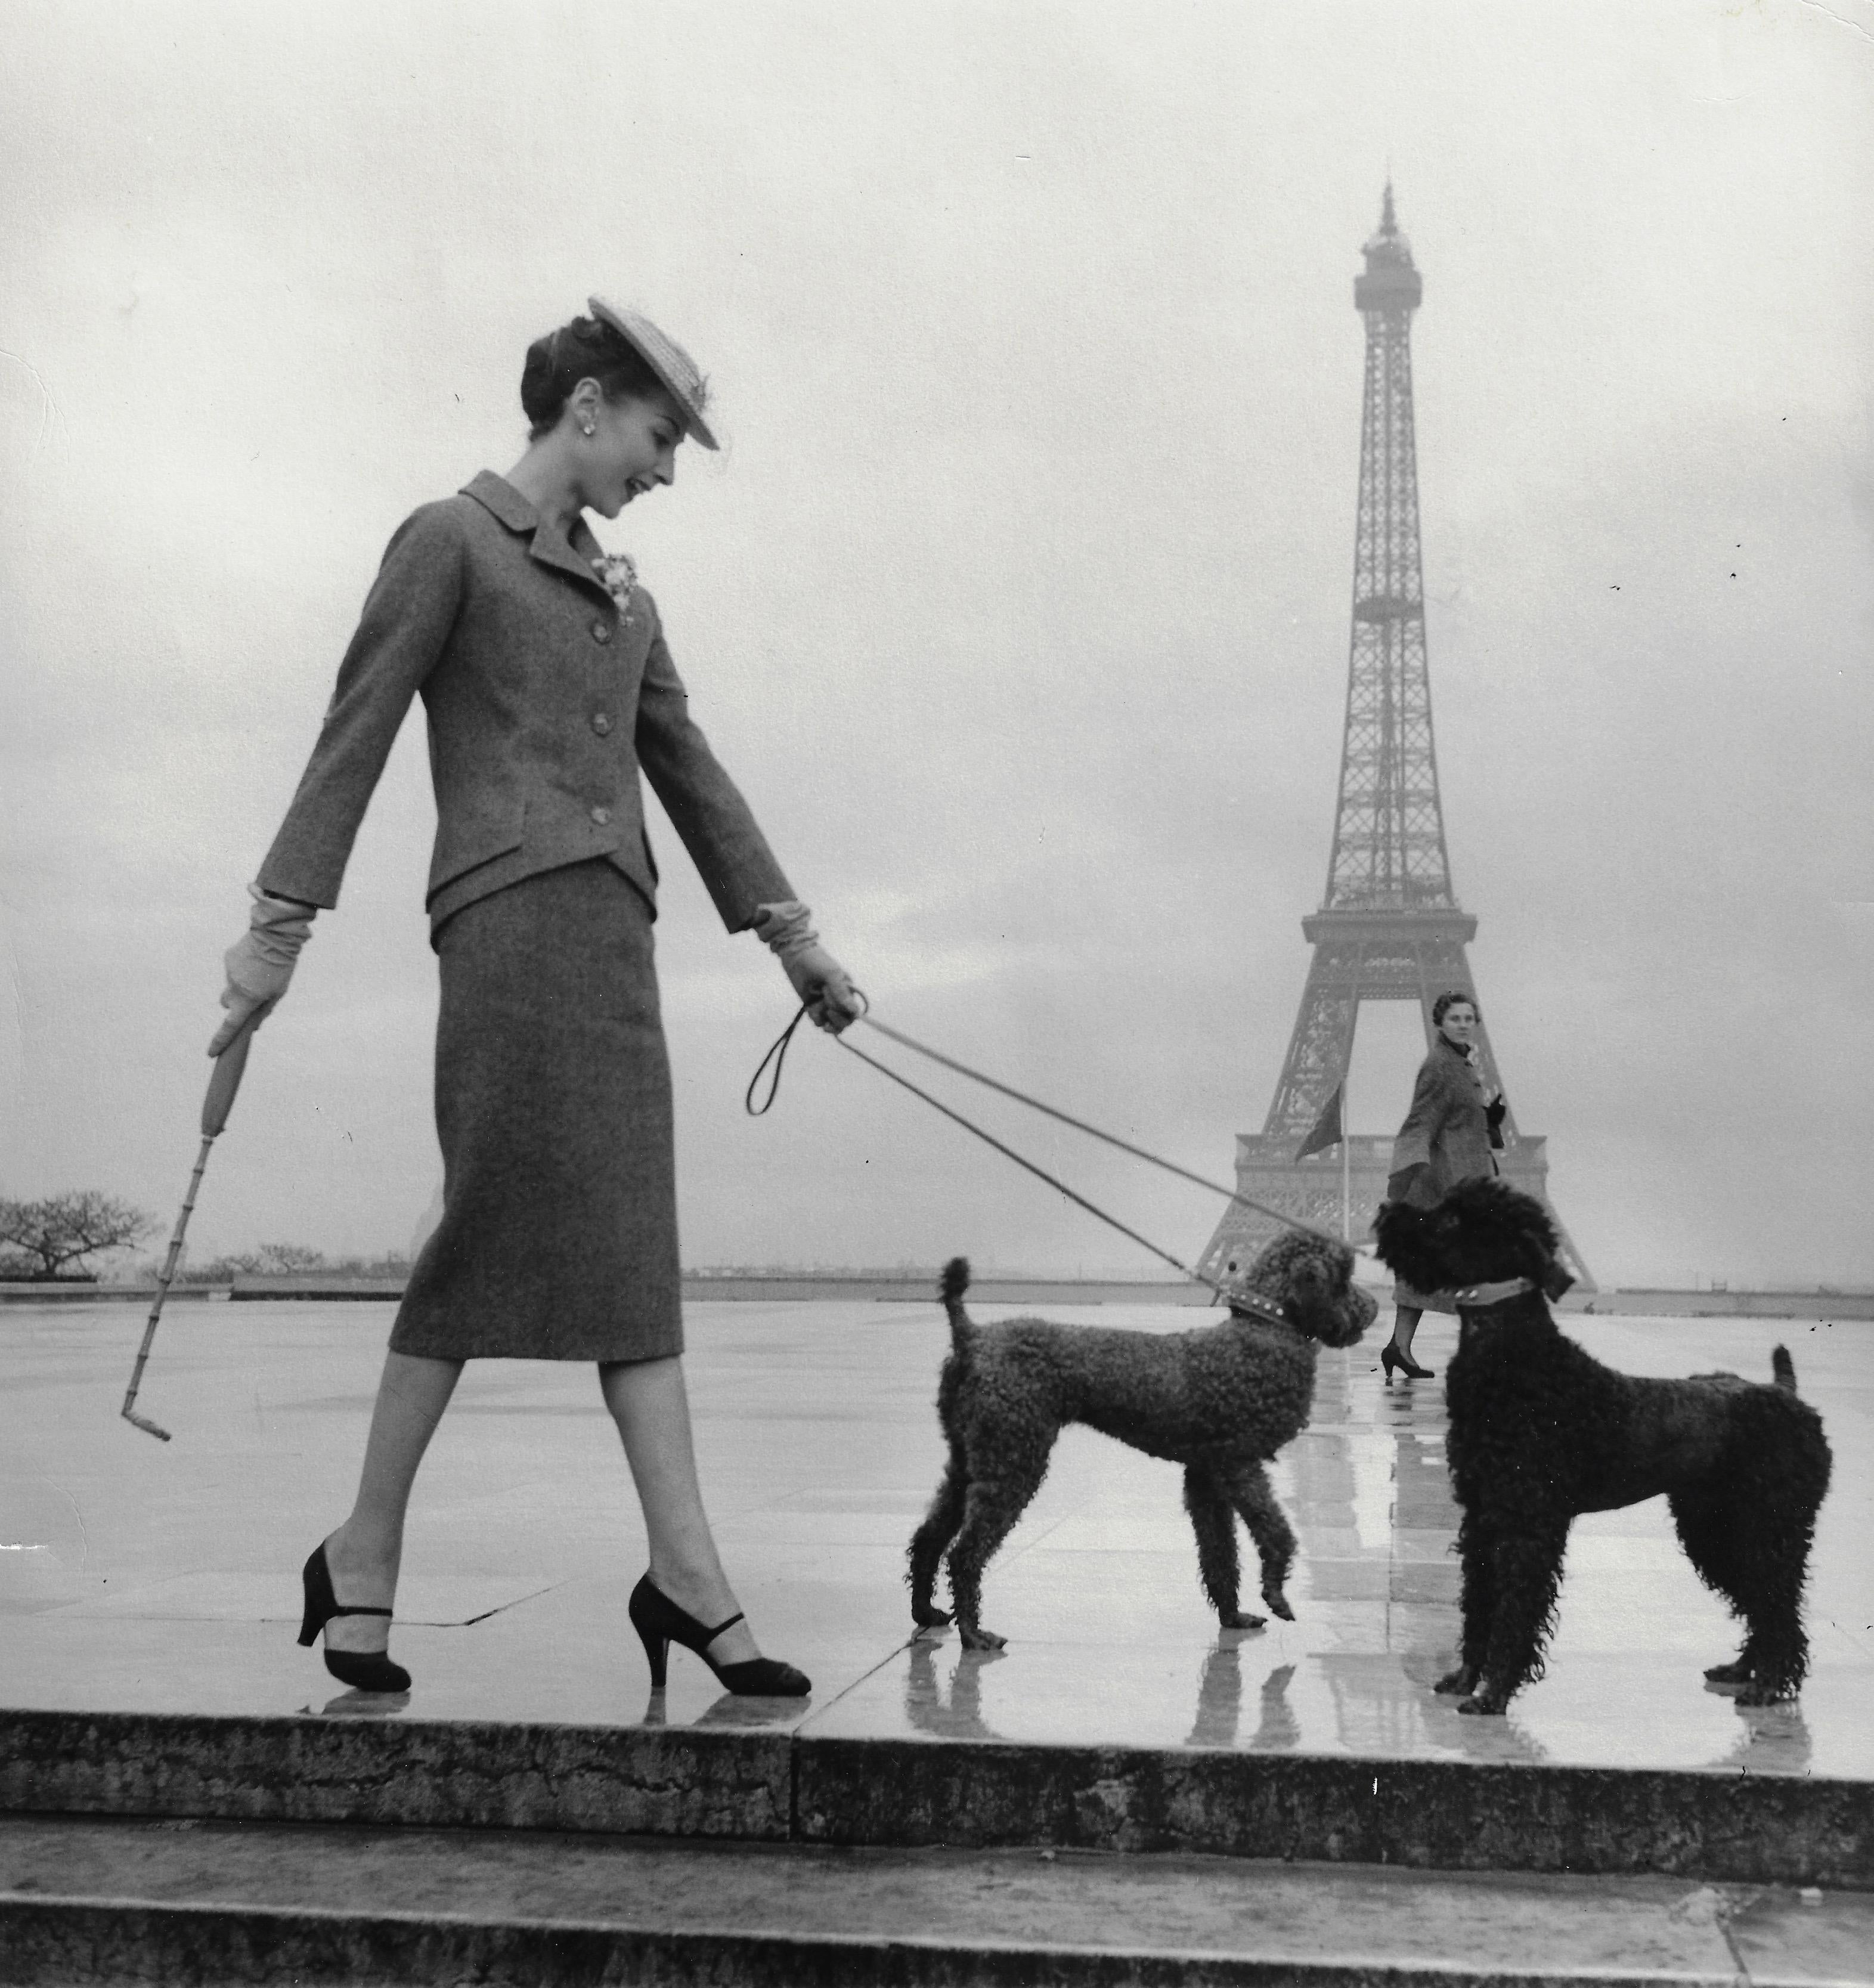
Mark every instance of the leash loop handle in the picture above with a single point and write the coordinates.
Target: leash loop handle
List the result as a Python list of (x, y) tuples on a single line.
[(777, 1055)]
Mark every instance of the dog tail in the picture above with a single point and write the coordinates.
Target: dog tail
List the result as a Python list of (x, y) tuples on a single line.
[(955, 1282), (1784, 1368)]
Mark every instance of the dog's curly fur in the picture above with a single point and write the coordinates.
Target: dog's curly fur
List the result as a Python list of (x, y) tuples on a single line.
[(1221, 1400), (1540, 1430)]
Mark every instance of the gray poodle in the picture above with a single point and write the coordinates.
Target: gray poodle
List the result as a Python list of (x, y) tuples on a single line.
[(1221, 1400)]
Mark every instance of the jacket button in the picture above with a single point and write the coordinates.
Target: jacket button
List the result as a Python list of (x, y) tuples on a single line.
[(601, 816), (601, 631), (601, 723)]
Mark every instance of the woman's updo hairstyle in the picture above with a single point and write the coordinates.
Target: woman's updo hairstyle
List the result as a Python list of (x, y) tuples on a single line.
[(1445, 1002), (584, 349)]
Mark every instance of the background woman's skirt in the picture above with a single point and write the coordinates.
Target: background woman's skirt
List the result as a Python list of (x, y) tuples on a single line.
[(558, 1239), (1404, 1294)]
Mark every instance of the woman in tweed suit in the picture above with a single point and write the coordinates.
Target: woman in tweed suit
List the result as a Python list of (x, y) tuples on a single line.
[(548, 686), (1448, 1135)]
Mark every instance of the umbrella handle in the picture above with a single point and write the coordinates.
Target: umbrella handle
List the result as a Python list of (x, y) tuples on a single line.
[(228, 1067)]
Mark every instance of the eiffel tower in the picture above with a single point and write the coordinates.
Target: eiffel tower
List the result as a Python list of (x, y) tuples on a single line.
[(1390, 927)]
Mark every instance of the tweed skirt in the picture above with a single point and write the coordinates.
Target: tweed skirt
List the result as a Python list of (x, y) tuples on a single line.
[(558, 1239), (1403, 1294)]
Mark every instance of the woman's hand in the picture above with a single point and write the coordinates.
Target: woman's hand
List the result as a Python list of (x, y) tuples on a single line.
[(260, 963), (823, 986), (832, 1001)]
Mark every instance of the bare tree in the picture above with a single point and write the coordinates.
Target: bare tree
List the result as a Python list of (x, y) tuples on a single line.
[(282, 1258), (65, 1228)]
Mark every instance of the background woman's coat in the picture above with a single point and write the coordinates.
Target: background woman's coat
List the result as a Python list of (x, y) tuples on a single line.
[(1447, 1130)]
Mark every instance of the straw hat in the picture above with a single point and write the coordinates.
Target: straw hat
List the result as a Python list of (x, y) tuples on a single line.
[(681, 378)]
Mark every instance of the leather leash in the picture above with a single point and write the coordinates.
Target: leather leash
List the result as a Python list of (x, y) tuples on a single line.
[(776, 1055)]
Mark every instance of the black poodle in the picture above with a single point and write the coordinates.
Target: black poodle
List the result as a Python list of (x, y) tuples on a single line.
[(1540, 1430)]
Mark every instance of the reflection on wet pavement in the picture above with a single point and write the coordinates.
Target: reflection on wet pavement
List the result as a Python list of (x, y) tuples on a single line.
[(951, 1709), (164, 1576)]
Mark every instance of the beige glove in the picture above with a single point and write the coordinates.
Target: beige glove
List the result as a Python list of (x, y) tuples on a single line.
[(260, 963), (824, 986)]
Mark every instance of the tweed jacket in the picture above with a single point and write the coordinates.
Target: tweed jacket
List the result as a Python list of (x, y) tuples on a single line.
[(544, 700), (1447, 1130)]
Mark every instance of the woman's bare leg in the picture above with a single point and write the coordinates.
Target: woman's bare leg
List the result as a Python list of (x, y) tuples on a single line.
[(1405, 1323), (648, 1402), (366, 1550)]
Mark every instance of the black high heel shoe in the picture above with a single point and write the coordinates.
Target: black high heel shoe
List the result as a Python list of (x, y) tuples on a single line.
[(660, 1622), (1390, 1357), (363, 1670)]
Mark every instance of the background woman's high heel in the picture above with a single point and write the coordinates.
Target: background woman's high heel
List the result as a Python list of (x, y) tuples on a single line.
[(363, 1670), (1390, 1357), (660, 1622)]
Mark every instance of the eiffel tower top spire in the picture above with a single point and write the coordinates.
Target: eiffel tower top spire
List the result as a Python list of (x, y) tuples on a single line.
[(1389, 831)]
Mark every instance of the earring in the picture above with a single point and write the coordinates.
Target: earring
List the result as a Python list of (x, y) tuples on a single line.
[(586, 428)]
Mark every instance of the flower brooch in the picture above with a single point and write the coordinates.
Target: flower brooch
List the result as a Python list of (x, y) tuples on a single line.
[(620, 575)]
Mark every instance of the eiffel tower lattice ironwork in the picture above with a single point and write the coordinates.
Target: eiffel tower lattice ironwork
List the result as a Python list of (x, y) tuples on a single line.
[(1390, 927)]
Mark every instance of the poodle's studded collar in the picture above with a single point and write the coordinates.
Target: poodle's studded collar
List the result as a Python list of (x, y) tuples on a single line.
[(1480, 1297), (1241, 1302)]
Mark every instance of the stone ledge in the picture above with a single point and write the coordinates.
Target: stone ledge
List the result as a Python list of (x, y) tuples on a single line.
[(115, 1899), (780, 1787), (654, 1781), (56, 1944), (1451, 1815)]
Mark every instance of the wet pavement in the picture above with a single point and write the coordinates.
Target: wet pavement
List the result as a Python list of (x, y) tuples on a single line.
[(140, 1576)]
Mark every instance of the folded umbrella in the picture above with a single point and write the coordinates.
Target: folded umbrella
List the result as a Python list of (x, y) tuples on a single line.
[(222, 1085)]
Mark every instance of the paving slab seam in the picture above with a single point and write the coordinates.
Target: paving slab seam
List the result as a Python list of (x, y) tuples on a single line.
[(845, 1690)]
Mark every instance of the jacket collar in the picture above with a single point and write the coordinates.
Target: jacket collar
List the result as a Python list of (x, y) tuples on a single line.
[(550, 546)]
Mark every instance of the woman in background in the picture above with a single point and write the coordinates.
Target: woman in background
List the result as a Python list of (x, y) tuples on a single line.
[(1450, 1135), (548, 686)]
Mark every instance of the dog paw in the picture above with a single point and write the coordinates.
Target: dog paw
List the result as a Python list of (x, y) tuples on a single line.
[(1236, 1619), (1732, 1673), (930, 1618), (1455, 1682), (981, 1639), (1485, 1704), (1278, 1604)]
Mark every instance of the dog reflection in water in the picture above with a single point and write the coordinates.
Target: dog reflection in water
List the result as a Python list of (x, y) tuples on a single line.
[(958, 1714)]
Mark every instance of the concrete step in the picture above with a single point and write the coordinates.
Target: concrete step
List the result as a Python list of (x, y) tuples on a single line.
[(784, 1785), (87, 1901)]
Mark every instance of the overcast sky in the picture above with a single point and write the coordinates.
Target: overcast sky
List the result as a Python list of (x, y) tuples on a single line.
[(1018, 599)]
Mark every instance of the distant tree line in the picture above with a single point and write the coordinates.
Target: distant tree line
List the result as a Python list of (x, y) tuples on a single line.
[(279, 1260), (56, 1238)]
